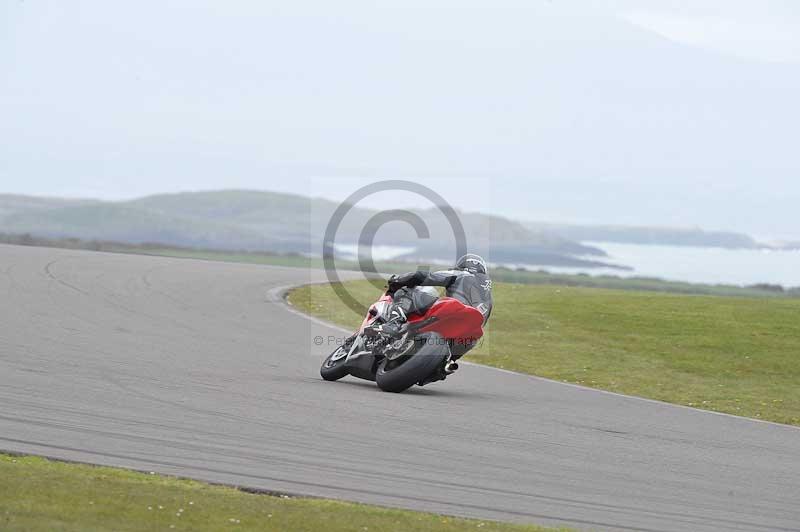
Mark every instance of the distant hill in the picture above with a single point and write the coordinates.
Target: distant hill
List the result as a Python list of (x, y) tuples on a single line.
[(267, 221), (647, 235), (11, 204)]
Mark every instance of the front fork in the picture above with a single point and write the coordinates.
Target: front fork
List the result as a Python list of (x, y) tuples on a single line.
[(361, 362)]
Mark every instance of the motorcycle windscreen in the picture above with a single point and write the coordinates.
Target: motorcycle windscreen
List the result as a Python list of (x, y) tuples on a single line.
[(454, 320)]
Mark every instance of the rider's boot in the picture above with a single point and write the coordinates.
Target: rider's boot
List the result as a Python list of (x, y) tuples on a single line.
[(394, 325)]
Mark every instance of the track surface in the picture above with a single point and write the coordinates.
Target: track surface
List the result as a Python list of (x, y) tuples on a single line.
[(191, 368)]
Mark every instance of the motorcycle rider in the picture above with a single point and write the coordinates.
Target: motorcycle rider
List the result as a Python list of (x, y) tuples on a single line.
[(468, 282)]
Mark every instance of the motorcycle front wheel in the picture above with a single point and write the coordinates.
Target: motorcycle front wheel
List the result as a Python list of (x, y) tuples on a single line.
[(401, 374), (333, 368)]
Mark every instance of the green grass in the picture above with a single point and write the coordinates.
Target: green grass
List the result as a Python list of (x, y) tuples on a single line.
[(727, 354), (42, 495)]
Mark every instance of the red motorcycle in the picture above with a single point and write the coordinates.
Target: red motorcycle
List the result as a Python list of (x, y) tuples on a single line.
[(437, 330)]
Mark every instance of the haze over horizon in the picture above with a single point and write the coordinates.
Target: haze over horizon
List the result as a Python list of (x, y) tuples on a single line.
[(631, 113)]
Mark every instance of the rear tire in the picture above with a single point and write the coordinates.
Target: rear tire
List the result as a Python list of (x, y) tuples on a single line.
[(430, 354), (333, 370)]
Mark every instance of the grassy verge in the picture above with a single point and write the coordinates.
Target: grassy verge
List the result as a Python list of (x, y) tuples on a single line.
[(42, 495), (727, 354)]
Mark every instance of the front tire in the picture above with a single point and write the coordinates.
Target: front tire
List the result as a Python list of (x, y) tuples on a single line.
[(333, 370), (399, 375)]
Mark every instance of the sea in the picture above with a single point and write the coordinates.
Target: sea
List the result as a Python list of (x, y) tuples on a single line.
[(741, 267), (697, 264)]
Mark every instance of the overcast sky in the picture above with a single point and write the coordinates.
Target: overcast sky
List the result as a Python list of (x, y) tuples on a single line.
[(630, 112)]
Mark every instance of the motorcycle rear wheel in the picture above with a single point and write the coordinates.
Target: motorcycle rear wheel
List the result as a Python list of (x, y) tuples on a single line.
[(399, 375)]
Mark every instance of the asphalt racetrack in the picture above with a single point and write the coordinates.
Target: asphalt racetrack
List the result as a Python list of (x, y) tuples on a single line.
[(198, 369)]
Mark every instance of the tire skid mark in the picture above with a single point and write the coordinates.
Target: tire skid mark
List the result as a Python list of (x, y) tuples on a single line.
[(49, 271)]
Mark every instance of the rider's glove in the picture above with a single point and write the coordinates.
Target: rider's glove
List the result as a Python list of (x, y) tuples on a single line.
[(410, 280), (394, 284)]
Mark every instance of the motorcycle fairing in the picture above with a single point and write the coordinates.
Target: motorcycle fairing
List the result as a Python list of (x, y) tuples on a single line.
[(452, 320)]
